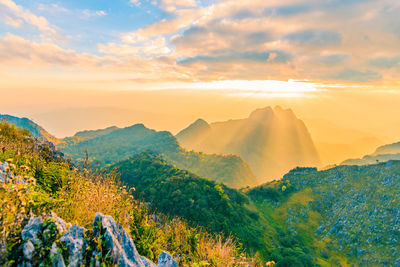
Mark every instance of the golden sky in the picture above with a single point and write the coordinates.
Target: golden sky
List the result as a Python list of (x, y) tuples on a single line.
[(167, 63)]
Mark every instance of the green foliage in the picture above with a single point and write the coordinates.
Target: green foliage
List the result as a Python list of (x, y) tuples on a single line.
[(51, 185), (202, 202), (108, 147)]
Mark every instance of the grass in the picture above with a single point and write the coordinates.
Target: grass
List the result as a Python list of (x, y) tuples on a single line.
[(77, 195)]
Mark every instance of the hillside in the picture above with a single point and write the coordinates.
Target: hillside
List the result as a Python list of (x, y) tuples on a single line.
[(345, 215), (271, 140), (108, 147), (202, 202), (40, 194), (32, 127)]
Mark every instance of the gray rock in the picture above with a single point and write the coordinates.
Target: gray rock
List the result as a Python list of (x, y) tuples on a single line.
[(76, 244), (166, 260), (62, 226), (31, 231), (147, 262), (118, 243), (56, 256), (32, 243), (28, 250)]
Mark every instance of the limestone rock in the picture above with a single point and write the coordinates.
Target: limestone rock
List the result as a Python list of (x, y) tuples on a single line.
[(118, 243), (166, 260), (147, 262), (55, 254), (76, 244)]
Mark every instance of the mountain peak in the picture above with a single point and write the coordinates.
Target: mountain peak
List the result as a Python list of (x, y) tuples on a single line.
[(197, 128), (262, 113), (200, 122)]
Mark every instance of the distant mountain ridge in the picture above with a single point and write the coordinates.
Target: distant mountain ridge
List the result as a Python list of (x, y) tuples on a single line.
[(271, 140), (108, 146), (382, 154)]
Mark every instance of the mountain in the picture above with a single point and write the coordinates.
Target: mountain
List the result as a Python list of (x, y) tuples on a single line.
[(388, 149), (200, 201), (84, 135), (346, 216), (111, 145), (271, 140), (382, 154), (34, 129)]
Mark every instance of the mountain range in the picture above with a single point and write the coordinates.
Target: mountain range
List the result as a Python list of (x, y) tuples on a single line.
[(108, 146), (271, 140), (340, 216)]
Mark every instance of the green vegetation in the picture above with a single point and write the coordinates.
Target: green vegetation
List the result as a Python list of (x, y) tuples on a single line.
[(345, 215), (36, 182), (34, 129), (108, 147), (202, 202)]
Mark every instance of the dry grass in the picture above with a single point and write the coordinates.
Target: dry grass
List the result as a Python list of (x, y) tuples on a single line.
[(85, 195)]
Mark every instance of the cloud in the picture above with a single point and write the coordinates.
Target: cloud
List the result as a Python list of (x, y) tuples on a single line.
[(52, 8), (349, 41), (234, 56), (16, 51), (18, 13), (15, 22), (385, 62), (315, 37), (353, 75), (93, 13), (173, 5), (138, 46)]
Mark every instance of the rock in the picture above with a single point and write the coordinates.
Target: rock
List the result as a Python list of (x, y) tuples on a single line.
[(62, 226), (32, 244), (166, 260), (118, 243), (56, 256), (147, 262), (28, 250), (30, 237), (76, 244)]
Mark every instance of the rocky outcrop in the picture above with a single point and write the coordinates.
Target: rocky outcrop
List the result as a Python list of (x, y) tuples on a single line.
[(30, 237), (117, 241), (75, 243), (48, 240), (166, 260), (7, 175)]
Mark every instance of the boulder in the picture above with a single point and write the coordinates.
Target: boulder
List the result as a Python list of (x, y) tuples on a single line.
[(147, 262), (30, 237), (166, 260), (56, 256), (62, 226), (117, 241), (75, 243)]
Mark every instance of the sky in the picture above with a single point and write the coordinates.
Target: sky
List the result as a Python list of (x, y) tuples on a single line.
[(167, 62)]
